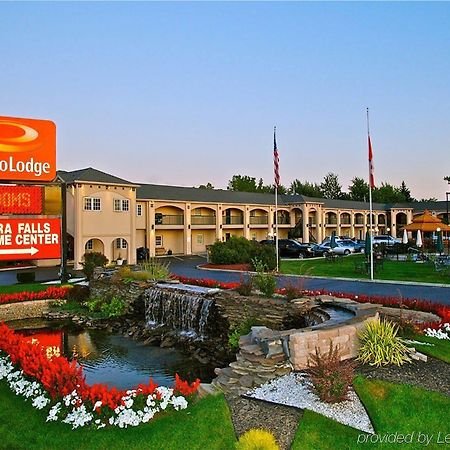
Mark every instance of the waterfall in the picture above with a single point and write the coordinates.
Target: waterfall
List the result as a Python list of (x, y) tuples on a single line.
[(183, 312)]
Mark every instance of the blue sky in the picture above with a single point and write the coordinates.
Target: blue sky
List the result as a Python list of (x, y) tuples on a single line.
[(188, 93)]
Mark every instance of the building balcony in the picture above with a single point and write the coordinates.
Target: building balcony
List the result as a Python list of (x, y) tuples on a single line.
[(169, 220), (259, 220), (233, 221), (199, 221), (284, 221)]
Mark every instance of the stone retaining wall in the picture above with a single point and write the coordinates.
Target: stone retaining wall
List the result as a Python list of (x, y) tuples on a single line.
[(24, 310)]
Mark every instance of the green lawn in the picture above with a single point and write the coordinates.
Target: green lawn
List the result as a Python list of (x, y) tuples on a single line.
[(204, 425), (344, 267), (392, 408), (26, 287), (440, 349)]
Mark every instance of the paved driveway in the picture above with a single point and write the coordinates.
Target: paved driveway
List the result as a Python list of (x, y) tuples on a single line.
[(186, 266)]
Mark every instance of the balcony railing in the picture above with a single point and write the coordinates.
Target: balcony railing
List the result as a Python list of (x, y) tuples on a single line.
[(359, 221), (284, 220), (233, 220), (330, 221), (259, 220), (177, 219), (345, 221), (203, 220)]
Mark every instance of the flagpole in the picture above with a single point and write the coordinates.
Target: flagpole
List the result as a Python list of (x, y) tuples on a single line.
[(276, 197), (370, 203)]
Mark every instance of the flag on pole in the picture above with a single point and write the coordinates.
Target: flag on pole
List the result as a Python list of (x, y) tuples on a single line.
[(276, 159), (371, 171)]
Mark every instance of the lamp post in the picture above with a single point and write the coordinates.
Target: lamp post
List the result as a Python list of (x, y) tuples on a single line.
[(447, 194)]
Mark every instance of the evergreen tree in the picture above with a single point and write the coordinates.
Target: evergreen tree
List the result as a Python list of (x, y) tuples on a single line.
[(308, 189), (330, 186), (359, 190), (406, 193)]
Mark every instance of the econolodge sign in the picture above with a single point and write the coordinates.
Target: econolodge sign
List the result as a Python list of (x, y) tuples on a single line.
[(30, 239), (27, 149)]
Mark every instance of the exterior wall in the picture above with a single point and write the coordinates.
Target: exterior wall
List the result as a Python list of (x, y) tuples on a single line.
[(202, 238), (140, 238), (172, 240)]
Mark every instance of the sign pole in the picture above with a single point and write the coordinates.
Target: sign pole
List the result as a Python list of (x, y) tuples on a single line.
[(64, 273)]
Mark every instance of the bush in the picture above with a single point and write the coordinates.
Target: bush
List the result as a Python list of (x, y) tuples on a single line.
[(381, 345), (91, 261), (78, 293), (109, 307), (242, 251), (26, 277), (292, 292), (264, 281), (241, 330), (330, 376), (156, 269), (245, 286), (257, 439)]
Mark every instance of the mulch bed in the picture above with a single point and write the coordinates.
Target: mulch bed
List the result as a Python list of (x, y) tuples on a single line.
[(281, 420), (241, 267), (433, 375)]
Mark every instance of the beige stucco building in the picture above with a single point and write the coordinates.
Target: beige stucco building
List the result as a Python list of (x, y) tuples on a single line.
[(114, 216)]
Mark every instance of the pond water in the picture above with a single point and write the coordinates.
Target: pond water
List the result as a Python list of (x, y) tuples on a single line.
[(114, 359)]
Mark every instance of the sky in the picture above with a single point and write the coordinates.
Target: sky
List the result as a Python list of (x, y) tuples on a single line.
[(188, 93)]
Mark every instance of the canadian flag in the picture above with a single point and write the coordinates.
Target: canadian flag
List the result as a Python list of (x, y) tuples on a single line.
[(371, 171)]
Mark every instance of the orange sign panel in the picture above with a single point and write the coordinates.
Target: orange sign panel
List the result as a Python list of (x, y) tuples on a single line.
[(27, 149), (20, 200)]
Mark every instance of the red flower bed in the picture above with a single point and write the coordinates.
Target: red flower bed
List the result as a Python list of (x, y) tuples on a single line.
[(49, 293), (205, 282), (60, 377)]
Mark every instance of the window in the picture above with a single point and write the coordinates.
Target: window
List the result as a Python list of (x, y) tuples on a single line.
[(121, 243), (139, 210), (89, 245), (121, 205), (199, 238), (158, 241), (92, 204)]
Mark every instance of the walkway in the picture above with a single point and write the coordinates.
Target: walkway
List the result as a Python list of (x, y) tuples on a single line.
[(187, 266)]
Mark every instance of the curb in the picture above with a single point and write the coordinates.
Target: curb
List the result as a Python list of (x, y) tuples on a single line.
[(314, 277)]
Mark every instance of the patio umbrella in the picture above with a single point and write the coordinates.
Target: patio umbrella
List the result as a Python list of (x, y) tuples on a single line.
[(333, 243), (405, 237), (367, 244), (439, 243), (419, 239)]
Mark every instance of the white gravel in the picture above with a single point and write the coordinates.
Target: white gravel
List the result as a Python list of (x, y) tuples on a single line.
[(295, 390)]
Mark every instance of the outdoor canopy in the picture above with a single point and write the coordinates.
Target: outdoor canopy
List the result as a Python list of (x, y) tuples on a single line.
[(426, 222)]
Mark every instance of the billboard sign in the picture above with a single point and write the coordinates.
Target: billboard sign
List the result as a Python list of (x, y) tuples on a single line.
[(27, 149), (21, 200), (30, 239)]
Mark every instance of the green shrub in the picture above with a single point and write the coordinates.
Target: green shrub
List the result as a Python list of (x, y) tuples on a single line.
[(78, 293), (242, 251), (380, 344), (241, 330), (330, 376), (26, 277), (116, 307), (108, 307), (91, 261), (263, 280), (257, 439), (292, 292), (156, 269)]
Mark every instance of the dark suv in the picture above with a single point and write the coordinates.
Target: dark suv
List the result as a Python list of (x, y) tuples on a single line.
[(291, 248)]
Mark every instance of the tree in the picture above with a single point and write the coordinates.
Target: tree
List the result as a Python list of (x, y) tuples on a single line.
[(242, 183), (308, 189), (431, 199), (447, 179), (406, 193), (330, 186), (206, 186), (359, 190), (387, 193)]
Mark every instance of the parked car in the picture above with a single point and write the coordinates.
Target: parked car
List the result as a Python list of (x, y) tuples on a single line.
[(340, 249), (358, 247), (386, 240), (291, 248)]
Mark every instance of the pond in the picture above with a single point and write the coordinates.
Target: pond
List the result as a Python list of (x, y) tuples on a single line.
[(114, 359)]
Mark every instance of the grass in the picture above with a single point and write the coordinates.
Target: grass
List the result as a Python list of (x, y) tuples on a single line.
[(26, 287), (344, 267), (204, 425), (74, 307), (440, 350), (393, 408)]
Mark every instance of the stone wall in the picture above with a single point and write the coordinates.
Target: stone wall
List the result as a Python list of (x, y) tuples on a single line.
[(303, 343), (24, 310)]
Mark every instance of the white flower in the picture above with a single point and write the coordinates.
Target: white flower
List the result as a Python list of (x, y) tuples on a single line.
[(53, 413), (40, 402), (97, 404), (79, 417), (179, 403)]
